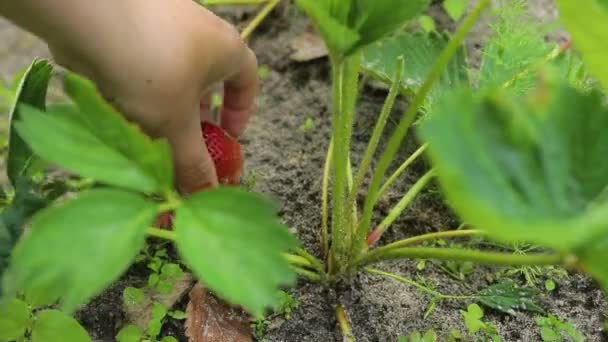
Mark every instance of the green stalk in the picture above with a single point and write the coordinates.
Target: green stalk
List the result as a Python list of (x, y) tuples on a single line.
[(296, 260), (161, 233), (419, 286), (306, 273), (400, 170), (409, 116), (255, 22), (378, 129), (314, 262), (324, 204), (405, 201), (344, 94), (456, 254), (427, 237), (344, 325)]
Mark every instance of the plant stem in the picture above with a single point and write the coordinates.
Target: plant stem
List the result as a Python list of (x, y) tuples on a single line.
[(314, 262), (427, 237), (409, 116), (324, 197), (378, 129), (230, 2), (457, 254), (400, 170), (405, 201), (257, 20), (419, 286), (296, 260), (344, 93), (343, 323), (161, 233), (306, 273), (172, 202)]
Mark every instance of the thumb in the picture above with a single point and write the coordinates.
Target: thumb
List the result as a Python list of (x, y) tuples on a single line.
[(194, 169)]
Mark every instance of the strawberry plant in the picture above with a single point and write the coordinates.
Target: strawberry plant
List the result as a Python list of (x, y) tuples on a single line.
[(515, 145), (69, 245)]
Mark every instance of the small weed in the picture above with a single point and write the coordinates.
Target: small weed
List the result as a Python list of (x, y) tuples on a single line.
[(308, 125), (427, 23), (554, 329), (477, 327), (429, 336), (161, 280), (285, 306), (263, 72)]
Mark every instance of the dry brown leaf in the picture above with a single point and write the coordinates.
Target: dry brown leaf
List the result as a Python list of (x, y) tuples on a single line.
[(307, 47), (210, 320), (141, 313)]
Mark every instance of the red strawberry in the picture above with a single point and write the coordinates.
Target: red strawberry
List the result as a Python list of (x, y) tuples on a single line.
[(225, 152)]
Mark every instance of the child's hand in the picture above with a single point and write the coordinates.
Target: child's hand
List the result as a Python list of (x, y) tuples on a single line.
[(156, 62)]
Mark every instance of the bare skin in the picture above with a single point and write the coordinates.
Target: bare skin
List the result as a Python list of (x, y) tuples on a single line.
[(156, 62)]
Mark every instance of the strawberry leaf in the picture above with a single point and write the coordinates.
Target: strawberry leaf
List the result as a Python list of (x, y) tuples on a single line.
[(349, 25), (32, 91), (15, 317), (29, 198), (76, 249), (228, 236), (535, 170), (584, 20), (418, 51), (98, 144), (56, 326)]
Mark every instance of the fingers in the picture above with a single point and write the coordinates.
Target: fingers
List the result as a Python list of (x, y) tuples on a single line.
[(239, 95), (205, 113), (194, 168)]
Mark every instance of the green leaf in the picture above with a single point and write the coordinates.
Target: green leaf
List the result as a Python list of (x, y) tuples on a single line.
[(427, 23), (171, 271), (375, 19), (39, 297), (584, 20), (419, 52), (78, 248), (153, 280), (338, 37), (430, 336), (159, 311), (507, 297), (32, 91), (515, 46), (227, 235), (132, 296), (548, 334), (129, 333), (525, 170), (177, 314), (95, 141), (29, 198), (57, 326), (164, 287), (472, 318), (549, 285), (455, 8), (168, 339), (347, 26), (15, 317)]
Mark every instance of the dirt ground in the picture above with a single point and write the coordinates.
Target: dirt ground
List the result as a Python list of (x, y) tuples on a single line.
[(287, 163)]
